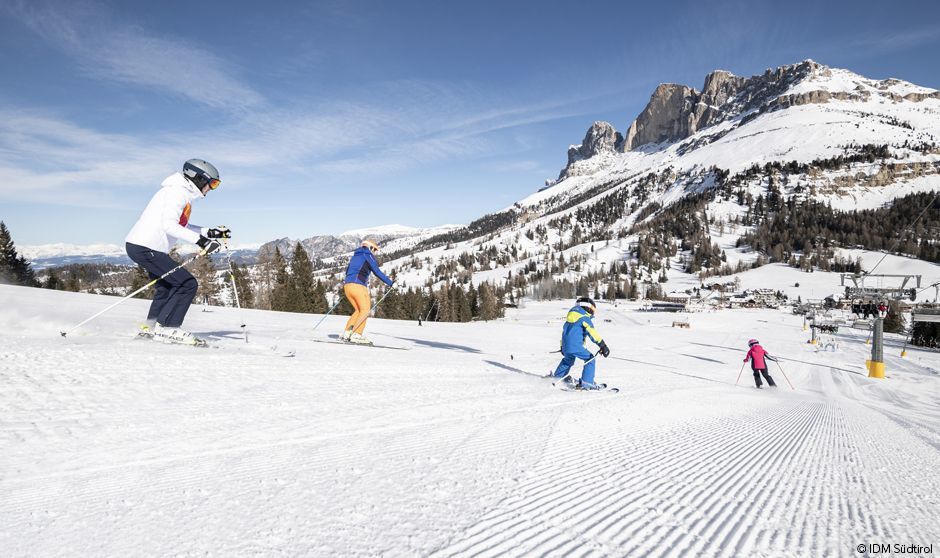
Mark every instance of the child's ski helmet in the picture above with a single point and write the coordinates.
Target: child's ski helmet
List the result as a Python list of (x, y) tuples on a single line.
[(752, 342), (587, 304)]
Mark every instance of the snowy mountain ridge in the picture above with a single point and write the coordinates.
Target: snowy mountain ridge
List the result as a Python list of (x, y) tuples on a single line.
[(805, 131), (391, 237), (45, 251)]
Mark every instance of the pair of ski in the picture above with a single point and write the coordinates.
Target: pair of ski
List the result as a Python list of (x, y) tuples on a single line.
[(265, 350), (568, 384), (337, 340)]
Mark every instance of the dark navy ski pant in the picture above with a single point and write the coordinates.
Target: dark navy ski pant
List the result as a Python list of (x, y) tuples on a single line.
[(757, 374), (174, 293)]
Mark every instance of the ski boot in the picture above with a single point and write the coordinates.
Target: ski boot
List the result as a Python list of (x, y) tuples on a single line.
[(177, 336), (585, 386), (346, 335), (359, 339)]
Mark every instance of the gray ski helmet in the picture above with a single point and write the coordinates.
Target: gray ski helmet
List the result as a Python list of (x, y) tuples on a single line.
[(202, 173)]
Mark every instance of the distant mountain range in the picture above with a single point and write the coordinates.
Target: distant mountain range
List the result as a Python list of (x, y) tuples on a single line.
[(318, 247)]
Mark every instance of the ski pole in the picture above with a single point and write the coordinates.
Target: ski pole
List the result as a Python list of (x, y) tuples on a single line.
[(231, 274), (742, 371), (592, 358), (339, 298), (372, 311), (785, 376), (140, 290)]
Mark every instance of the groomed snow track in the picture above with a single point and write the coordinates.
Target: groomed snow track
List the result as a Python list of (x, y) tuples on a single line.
[(113, 447)]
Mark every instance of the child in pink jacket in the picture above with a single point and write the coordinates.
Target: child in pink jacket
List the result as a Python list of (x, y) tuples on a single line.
[(759, 357)]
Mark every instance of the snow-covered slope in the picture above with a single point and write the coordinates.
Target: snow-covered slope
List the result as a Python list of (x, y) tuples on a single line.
[(116, 447)]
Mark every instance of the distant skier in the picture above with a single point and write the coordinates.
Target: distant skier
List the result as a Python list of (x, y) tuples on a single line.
[(148, 244), (578, 327), (356, 289), (759, 357)]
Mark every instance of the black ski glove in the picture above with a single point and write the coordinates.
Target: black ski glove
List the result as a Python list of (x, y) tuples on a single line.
[(208, 246), (219, 232), (605, 350)]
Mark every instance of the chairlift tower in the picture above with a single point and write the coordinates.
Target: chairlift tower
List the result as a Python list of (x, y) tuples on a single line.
[(859, 291)]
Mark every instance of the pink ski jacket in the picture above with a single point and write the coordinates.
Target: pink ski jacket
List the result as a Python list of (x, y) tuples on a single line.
[(757, 353)]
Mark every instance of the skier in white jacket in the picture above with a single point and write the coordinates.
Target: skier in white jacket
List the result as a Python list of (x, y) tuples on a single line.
[(148, 244)]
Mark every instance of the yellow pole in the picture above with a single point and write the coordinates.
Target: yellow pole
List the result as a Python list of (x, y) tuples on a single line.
[(876, 368)]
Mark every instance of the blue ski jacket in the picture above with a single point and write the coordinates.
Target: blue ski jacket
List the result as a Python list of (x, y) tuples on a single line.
[(578, 327), (361, 265)]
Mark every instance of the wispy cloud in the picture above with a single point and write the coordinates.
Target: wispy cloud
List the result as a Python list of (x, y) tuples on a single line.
[(47, 158), (124, 52), (390, 126), (895, 41)]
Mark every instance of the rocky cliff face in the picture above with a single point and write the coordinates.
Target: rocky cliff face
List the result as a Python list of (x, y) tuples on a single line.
[(675, 112), (667, 117), (601, 137)]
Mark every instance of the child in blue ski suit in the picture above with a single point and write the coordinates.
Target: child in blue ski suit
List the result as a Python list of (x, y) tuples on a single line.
[(578, 327)]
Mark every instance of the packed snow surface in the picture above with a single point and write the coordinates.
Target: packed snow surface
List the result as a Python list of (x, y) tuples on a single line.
[(112, 446)]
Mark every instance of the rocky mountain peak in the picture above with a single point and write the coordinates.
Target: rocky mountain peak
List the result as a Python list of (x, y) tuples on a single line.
[(675, 111), (601, 137)]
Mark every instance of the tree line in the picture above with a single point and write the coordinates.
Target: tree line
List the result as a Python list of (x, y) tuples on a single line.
[(14, 268)]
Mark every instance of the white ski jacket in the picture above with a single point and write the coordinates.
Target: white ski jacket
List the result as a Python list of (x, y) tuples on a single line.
[(167, 215)]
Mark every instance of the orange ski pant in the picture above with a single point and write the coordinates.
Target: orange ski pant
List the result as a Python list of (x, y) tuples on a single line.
[(358, 296)]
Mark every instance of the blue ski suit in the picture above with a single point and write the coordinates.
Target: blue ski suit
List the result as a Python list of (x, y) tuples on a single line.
[(361, 265), (578, 327)]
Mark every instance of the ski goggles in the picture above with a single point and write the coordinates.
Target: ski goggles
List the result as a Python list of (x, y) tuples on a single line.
[(214, 183)]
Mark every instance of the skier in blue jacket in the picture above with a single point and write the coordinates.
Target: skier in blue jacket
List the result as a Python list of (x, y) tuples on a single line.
[(578, 327), (356, 288)]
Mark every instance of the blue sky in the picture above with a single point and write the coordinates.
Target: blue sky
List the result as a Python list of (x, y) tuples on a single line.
[(335, 115)]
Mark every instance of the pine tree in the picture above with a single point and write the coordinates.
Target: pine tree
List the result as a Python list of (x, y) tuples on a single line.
[(894, 322), (345, 308), (473, 296), (611, 291), (281, 299), (52, 281), (14, 268), (138, 280), (203, 269), (246, 296), (302, 289), (319, 304), (445, 311), (488, 305), (460, 304), (8, 256), (73, 280)]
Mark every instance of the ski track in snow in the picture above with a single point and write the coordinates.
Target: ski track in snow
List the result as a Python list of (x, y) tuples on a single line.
[(117, 447)]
